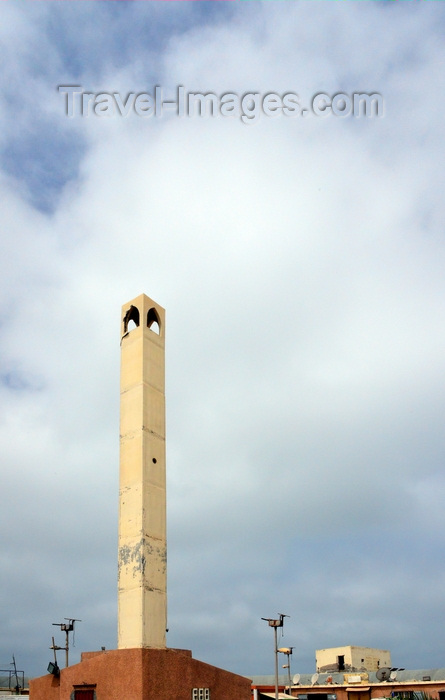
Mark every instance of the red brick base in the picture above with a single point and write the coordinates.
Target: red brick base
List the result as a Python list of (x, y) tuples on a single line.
[(141, 674)]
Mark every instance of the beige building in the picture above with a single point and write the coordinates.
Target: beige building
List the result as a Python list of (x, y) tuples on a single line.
[(351, 659)]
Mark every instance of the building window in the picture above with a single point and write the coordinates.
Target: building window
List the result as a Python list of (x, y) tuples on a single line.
[(340, 663), (201, 694)]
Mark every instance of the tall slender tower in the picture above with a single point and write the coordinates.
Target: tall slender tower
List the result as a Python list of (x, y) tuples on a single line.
[(142, 577), (142, 668)]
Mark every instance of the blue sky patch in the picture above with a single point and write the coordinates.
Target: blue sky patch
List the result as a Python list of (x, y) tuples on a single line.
[(43, 161)]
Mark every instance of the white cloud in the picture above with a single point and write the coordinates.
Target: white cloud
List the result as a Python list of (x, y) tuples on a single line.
[(300, 263)]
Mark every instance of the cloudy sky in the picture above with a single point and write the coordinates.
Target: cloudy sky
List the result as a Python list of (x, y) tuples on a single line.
[(300, 260)]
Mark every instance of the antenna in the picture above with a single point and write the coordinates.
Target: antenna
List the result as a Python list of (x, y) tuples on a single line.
[(275, 624), (17, 684), (383, 674), (12, 672), (393, 675), (296, 679), (314, 679), (66, 627)]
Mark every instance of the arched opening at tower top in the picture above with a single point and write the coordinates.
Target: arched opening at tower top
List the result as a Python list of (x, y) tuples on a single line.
[(153, 321), (131, 319)]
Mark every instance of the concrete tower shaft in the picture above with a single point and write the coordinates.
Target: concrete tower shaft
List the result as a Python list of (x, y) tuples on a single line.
[(142, 574)]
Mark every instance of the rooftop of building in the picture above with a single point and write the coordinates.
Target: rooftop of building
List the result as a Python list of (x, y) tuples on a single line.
[(306, 679)]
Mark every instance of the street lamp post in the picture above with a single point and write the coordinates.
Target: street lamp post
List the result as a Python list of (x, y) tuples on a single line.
[(276, 624), (288, 652)]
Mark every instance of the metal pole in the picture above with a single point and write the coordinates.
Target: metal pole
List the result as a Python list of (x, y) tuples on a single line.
[(276, 662), (275, 624), (17, 685), (288, 652), (54, 648)]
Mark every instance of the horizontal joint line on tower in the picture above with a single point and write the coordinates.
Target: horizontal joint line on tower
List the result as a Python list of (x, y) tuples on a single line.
[(153, 589), (138, 383), (152, 432), (153, 537), (134, 433)]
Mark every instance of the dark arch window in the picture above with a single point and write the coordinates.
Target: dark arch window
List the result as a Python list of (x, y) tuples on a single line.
[(153, 321), (131, 319)]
